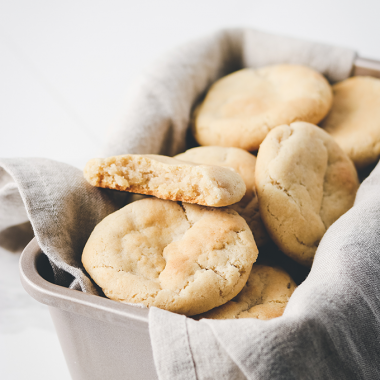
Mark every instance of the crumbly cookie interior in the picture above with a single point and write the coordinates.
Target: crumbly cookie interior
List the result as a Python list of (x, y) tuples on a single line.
[(167, 178)]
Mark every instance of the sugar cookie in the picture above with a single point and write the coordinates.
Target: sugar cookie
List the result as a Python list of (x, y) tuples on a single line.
[(240, 109), (167, 178), (354, 119), (304, 182), (184, 258), (264, 296)]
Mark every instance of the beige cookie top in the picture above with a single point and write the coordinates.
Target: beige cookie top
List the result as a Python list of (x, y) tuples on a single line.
[(264, 296), (244, 163), (167, 178), (241, 108), (354, 119), (304, 182), (183, 258)]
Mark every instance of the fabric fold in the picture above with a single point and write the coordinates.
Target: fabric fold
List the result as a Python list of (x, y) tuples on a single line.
[(262, 49), (174, 335), (63, 209)]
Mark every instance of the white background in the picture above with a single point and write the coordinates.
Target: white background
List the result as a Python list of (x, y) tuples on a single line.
[(65, 70)]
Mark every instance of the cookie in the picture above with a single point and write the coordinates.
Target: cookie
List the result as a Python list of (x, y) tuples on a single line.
[(179, 257), (167, 178), (264, 296), (354, 119), (244, 163), (240, 109), (304, 182)]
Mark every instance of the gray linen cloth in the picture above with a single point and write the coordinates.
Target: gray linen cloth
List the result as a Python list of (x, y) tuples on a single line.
[(330, 328)]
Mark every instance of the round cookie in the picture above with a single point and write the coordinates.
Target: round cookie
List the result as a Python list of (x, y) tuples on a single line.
[(243, 163), (264, 296), (354, 119), (241, 108), (304, 182), (180, 257)]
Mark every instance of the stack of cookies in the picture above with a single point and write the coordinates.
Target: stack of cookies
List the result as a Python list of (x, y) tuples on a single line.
[(264, 175)]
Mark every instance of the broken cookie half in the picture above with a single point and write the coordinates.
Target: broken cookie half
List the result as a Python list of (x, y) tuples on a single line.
[(167, 178)]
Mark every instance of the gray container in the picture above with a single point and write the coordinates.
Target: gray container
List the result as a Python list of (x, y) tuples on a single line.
[(100, 338)]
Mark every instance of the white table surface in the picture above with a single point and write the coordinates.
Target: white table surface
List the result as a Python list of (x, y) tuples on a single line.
[(65, 70)]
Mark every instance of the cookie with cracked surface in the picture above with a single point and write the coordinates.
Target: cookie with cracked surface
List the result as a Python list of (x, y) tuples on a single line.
[(354, 119), (183, 258), (264, 296), (304, 182), (167, 178), (243, 163), (241, 108)]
